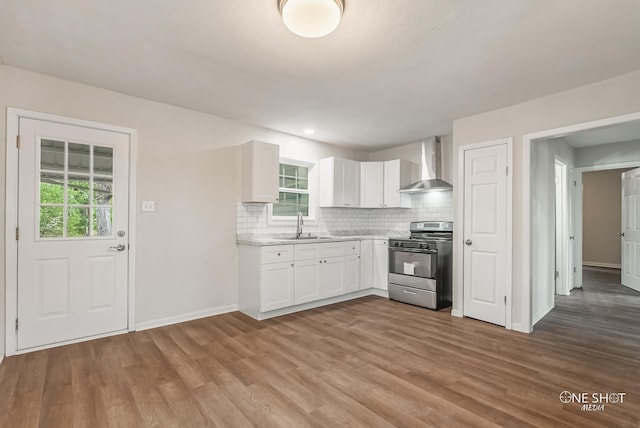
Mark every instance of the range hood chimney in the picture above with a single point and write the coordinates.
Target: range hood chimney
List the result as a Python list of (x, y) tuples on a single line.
[(430, 169)]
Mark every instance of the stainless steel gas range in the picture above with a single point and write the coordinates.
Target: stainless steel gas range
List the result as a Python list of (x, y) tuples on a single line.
[(420, 266)]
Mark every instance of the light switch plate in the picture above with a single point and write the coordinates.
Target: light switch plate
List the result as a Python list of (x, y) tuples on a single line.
[(148, 206)]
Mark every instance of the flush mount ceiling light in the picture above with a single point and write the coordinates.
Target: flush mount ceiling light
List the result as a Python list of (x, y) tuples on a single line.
[(311, 18)]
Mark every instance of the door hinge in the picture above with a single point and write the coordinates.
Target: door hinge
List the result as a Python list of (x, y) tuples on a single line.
[(16, 324), (507, 170), (17, 141), (557, 274), (505, 300), (574, 269), (17, 233)]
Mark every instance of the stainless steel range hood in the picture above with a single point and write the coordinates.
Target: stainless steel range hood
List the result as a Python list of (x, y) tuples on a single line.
[(430, 170)]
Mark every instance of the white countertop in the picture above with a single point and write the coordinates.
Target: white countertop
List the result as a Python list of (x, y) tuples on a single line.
[(270, 240)]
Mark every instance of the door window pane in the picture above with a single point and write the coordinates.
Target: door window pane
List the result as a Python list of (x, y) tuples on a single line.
[(78, 189), (75, 190), (102, 160), (103, 191), (77, 222), (79, 157), (51, 222), (102, 221), (52, 155), (51, 188)]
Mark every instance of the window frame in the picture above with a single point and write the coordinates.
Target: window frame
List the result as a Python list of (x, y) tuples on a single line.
[(311, 191)]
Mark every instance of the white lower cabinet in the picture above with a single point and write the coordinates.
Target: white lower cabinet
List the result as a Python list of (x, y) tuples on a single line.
[(366, 264), (319, 271), (274, 278), (381, 264), (332, 277), (276, 289), (307, 280), (352, 274), (352, 269)]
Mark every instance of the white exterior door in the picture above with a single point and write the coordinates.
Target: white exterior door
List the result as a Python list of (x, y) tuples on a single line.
[(485, 233), (73, 233), (631, 229)]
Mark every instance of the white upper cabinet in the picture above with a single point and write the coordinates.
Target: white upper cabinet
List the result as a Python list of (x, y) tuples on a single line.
[(339, 182), (380, 182), (372, 184), (260, 163), (398, 174)]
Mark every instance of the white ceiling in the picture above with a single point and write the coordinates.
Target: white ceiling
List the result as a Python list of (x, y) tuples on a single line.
[(629, 131), (393, 72)]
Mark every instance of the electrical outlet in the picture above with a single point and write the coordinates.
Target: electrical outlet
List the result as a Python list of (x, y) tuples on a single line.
[(148, 206)]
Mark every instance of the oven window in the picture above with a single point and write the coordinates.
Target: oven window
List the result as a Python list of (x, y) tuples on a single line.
[(415, 264)]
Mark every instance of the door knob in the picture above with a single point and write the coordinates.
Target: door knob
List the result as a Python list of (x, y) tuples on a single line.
[(468, 242), (621, 234), (120, 247), (572, 237)]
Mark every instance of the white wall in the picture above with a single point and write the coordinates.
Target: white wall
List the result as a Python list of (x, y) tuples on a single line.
[(186, 253), (543, 205), (602, 217), (413, 153), (608, 154), (604, 99)]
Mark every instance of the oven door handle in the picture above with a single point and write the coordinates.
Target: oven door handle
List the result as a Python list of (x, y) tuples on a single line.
[(410, 250)]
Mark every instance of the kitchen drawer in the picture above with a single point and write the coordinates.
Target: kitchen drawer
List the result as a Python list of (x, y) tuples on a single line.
[(332, 249), (413, 296), (352, 248), (276, 253)]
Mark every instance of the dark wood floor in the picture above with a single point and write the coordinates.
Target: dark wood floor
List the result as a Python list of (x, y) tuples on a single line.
[(370, 362)]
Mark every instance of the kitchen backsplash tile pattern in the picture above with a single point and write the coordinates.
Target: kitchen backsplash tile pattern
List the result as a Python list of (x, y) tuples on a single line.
[(252, 219)]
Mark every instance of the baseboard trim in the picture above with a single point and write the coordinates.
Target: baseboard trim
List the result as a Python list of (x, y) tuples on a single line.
[(311, 305), (602, 265), (541, 315), (518, 327), (380, 292), (162, 322), (456, 313), (1, 358)]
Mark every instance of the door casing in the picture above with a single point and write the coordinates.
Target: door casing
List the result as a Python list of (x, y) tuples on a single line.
[(11, 219)]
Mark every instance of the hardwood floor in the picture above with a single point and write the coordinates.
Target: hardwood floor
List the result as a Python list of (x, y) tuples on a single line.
[(369, 362)]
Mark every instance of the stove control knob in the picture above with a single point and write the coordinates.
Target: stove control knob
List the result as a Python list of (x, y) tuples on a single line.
[(395, 244), (423, 246), (402, 244)]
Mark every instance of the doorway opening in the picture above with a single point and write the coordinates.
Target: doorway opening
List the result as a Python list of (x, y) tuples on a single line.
[(555, 205)]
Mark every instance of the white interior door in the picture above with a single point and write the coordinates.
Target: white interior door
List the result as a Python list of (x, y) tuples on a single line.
[(631, 229), (73, 232), (485, 233)]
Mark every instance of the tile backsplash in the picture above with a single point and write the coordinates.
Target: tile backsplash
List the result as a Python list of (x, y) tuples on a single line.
[(252, 219)]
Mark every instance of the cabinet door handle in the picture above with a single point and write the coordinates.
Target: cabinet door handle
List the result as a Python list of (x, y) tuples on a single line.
[(278, 254), (291, 264), (320, 261)]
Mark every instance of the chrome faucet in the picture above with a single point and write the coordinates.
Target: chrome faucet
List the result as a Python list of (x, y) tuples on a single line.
[(299, 224)]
